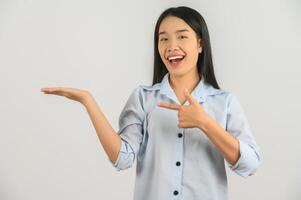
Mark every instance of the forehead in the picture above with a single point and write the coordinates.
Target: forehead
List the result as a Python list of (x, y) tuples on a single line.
[(171, 24)]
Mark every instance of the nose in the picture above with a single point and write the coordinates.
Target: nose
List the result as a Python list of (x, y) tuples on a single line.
[(172, 49), (172, 45)]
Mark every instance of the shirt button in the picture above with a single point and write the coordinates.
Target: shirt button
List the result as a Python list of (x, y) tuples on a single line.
[(175, 192), (180, 135), (178, 163)]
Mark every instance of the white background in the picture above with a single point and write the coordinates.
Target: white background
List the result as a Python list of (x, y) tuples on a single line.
[(48, 146)]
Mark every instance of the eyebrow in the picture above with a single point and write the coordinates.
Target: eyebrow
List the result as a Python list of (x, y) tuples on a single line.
[(178, 31)]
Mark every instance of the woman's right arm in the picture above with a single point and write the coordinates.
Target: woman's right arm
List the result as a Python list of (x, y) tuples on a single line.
[(107, 136), (109, 139)]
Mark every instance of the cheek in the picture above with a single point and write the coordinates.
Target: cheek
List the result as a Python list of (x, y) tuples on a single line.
[(160, 50), (192, 56), (162, 54), (192, 53)]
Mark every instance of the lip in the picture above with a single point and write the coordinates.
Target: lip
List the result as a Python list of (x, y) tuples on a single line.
[(174, 54), (175, 64)]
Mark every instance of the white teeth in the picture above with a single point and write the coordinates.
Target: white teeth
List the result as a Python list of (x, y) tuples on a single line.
[(174, 57)]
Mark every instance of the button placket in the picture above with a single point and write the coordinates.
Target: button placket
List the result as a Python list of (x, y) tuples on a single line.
[(178, 162)]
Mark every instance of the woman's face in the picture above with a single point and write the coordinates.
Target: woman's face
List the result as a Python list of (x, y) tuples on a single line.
[(178, 46)]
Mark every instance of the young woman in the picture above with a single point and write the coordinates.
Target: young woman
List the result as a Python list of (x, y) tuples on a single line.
[(182, 129)]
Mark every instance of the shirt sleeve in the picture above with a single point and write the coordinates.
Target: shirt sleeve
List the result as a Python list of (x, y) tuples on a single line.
[(238, 126), (131, 122)]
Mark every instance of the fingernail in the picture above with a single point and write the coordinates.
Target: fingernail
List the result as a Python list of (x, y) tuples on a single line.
[(186, 90)]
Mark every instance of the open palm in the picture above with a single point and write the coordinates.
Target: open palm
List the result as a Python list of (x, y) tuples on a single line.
[(71, 93)]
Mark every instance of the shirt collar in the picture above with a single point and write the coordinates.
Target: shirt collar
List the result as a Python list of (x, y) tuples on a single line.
[(200, 92)]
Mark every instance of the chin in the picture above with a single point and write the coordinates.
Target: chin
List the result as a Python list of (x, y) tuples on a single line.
[(179, 69), (174, 72)]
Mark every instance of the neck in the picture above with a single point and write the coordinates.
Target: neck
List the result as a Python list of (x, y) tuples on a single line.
[(189, 81)]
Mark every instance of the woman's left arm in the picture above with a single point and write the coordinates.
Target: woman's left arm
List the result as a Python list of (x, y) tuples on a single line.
[(235, 142), (237, 124), (226, 143)]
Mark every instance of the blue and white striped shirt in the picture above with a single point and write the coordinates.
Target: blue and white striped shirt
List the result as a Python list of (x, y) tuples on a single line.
[(181, 163)]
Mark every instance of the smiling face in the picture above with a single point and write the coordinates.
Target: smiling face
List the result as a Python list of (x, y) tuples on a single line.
[(178, 46)]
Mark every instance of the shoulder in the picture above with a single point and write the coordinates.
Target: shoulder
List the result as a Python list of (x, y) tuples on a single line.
[(141, 90), (222, 97), (143, 93), (228, 99), (146, 88), (217, 93)]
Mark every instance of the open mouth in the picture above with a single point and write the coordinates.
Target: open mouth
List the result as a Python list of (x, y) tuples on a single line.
[(175, 59)]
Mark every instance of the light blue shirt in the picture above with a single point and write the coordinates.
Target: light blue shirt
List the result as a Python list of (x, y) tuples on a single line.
[(181, 163)]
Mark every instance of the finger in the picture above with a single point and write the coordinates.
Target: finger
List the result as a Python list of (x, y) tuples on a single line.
[(189, 97), (53, 90), (168, 105)]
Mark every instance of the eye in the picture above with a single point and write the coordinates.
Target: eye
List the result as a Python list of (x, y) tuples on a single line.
[(163, 39), (182, 37)]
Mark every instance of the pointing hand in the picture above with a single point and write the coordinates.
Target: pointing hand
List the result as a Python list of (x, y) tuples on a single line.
[(189, 116)]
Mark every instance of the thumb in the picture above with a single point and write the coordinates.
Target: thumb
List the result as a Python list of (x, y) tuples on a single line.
[(189, 97)]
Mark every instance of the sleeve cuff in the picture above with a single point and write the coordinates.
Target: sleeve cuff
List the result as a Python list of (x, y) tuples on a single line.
[(122, 149), (125, 157), (248, 161)]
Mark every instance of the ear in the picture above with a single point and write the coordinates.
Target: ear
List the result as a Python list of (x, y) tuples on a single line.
[(200, 45)]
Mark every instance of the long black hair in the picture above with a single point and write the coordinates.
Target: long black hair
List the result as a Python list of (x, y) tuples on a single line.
[(195, 20)]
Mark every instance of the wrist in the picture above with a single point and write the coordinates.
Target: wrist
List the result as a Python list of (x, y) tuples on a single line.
[(87, 99), (205, 123)]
